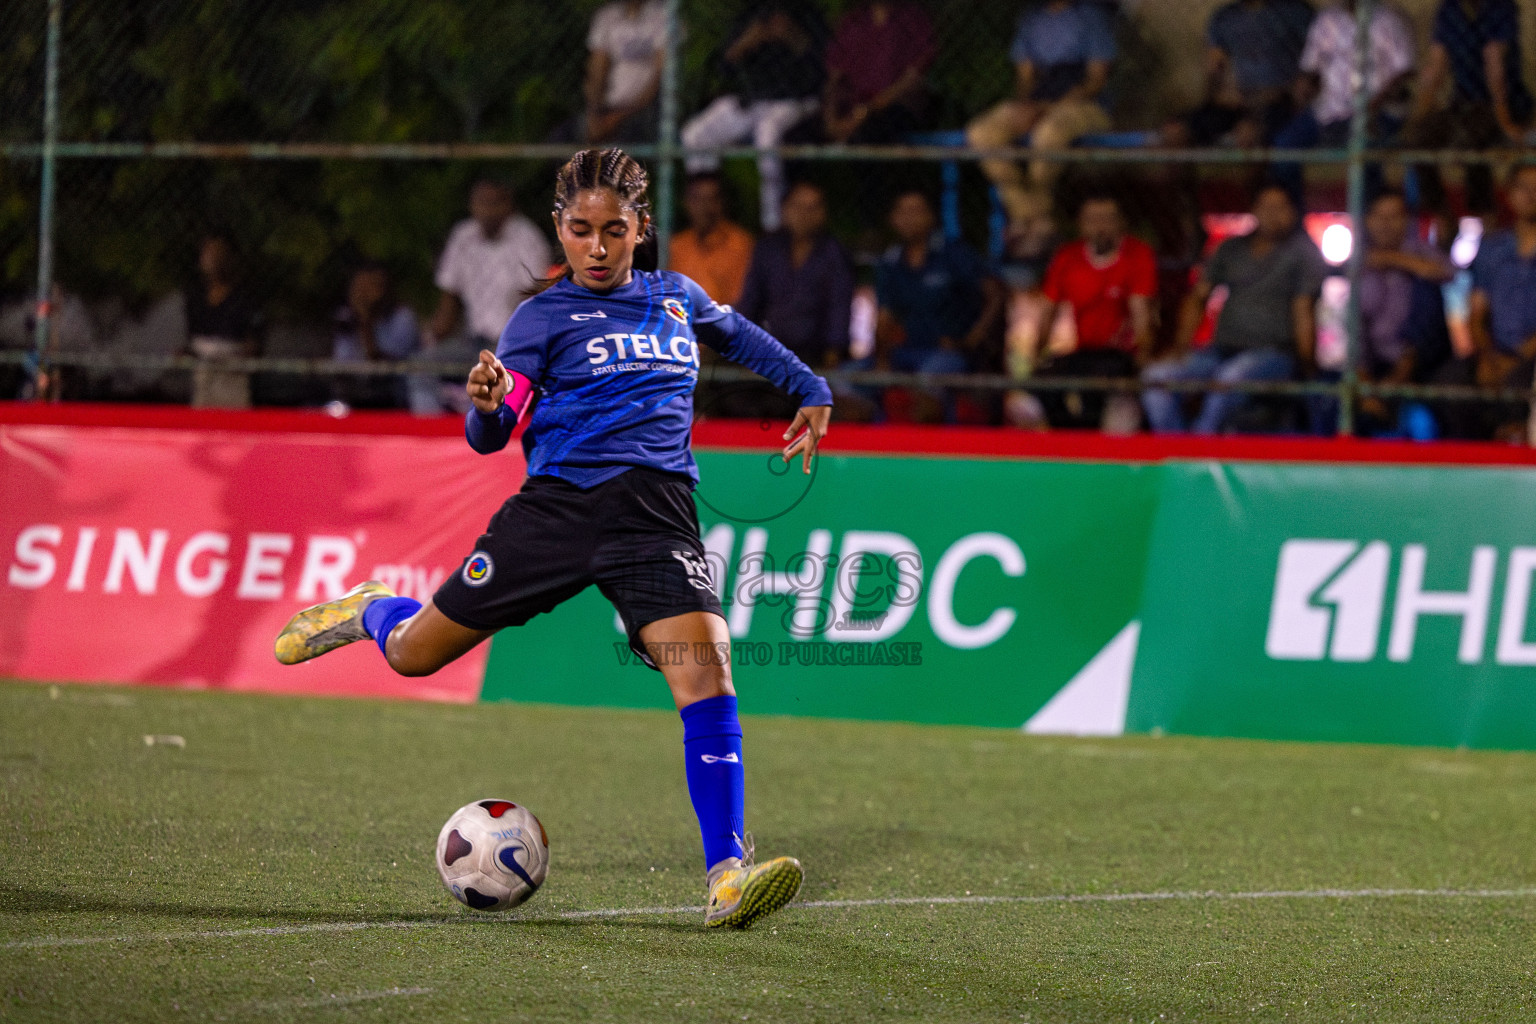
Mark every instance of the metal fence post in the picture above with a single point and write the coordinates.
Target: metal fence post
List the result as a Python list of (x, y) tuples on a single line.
[(1359, 129), (46, 191), (667, 144)]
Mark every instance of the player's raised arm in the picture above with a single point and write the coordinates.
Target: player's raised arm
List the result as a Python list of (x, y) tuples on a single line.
[(500, 397), (741, 341), (805, 433), (488, 383)]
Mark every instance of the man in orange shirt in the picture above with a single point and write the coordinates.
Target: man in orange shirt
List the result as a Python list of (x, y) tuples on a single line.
[(713, 251)]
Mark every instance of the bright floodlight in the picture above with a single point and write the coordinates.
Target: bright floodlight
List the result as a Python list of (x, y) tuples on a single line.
[(1337, 243)]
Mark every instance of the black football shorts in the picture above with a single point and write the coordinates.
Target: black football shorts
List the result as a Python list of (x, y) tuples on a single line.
[(635, 536)]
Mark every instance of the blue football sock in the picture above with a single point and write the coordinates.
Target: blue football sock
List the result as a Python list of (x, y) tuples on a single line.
[(717, 781), (385, 614)]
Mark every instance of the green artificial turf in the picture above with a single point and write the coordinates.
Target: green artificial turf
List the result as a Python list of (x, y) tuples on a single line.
[(317, 818)]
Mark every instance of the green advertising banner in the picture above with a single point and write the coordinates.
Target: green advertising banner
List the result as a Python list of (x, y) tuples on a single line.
[(1361, 603), (1299, 601), (920, 589)]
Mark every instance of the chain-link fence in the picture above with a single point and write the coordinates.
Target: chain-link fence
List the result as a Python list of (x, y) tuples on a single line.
[(274, 184)]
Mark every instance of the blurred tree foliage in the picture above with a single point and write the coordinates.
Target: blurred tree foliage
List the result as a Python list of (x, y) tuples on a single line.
[(362, 71), (372, 71)]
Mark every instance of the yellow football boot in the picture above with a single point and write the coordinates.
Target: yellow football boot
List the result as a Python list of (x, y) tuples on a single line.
[(740, 892), (325, 627)]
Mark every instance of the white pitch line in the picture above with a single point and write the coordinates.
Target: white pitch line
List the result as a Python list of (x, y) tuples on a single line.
[(1148, 897), (337, 1000), (890, 901), (577, 915)]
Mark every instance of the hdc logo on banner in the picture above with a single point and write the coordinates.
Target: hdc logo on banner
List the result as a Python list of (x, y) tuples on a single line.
[(1374, 604), (867, 592), (1330, 598)]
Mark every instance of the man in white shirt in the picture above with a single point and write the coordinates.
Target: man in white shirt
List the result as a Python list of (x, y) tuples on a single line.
[(492, 262), (625, 50), (1329, 58), (1325, 96)]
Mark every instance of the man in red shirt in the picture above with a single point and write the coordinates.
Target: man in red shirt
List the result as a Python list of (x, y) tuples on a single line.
[(1109, 279)]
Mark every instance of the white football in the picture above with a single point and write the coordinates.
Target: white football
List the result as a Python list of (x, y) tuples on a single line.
[(492, 854)]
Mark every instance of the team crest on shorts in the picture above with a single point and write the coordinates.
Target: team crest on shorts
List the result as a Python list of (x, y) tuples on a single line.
[(478, 570), (675, 310)]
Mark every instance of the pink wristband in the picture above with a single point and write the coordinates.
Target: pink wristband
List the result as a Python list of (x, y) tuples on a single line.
[(519, 395)]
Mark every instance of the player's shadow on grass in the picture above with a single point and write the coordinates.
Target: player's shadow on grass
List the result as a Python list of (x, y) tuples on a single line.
[(16, 899)]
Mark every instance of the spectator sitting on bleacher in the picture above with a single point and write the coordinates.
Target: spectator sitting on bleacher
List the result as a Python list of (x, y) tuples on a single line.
[(71, 330), (493, 261), (800, 285), (1061, 55), (876, 65), (372, 325), (1325, 91), (223, 322), (938, 306), (713, 250), (1109, 280), (773, 72), (1476, 43), (1267, 327), (1503, 321), (1404, 338), (1253, 50), (799, 289)]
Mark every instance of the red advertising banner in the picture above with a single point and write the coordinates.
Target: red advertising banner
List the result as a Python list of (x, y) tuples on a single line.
[(173, 557)]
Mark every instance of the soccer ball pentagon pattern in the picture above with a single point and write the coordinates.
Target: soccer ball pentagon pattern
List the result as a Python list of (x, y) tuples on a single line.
[(492, 854)]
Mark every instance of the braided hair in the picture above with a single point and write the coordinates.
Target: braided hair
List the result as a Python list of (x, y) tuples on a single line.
[(625, 177), (603, 168)]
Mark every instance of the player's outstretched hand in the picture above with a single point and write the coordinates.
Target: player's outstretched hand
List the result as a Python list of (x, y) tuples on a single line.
[(808, 428), (488, 382)]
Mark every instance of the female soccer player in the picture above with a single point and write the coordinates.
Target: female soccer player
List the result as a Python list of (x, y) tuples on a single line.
[(613, 354)]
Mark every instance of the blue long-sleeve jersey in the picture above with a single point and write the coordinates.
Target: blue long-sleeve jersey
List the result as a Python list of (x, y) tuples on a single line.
[(615, 374)]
